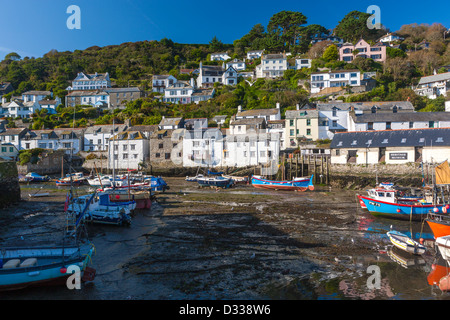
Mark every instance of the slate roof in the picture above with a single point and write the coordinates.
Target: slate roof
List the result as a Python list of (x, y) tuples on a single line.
[(392, 138), (363, 106), (257, 112), (299, 114), (435, 78), (402, 117), (106, 128)]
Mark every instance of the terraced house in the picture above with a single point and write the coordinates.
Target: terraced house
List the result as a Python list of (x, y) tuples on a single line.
[(128, 150)]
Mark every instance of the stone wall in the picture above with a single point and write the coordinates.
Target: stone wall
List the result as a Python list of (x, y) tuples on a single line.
[(49, 163), (9, 184)]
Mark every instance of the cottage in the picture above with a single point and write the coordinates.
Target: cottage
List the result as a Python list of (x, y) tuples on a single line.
[(202, 147), (391, 146), (128, 150), (50, 105), (254, 54), (13, 136), (8, 152), (94, 98), (118, 97), (166, 143), (19, 109), (236, 64), (220, 56), (334, 79), (266, 114), (161, 82), (96, 138), (96, 81), (209, 75), (303, 125), (434, 86), (272, 66)]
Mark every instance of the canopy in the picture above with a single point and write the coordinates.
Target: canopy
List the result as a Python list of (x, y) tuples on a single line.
[(442, 173)]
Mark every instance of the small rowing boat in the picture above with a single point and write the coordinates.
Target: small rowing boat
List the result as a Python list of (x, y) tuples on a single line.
[(405, 243)]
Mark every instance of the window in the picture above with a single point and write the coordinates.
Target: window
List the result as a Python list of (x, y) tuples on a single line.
[(308, 122), (411, 124), (252, 154), (308, 132), (125, 156), (125, 147), (338, 152), (3, 149), (291, 132), (388, 126), (370, 126), (161, 145), (167, 155), (291, 123), (431, 124), (157, 155)]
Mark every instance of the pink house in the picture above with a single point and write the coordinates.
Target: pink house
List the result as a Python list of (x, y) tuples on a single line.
[(376, 52)]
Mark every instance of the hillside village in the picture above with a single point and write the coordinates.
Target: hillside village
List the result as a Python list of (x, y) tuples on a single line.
[(379, 99)]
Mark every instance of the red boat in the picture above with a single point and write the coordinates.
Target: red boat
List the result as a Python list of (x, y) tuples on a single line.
[(439, 224)]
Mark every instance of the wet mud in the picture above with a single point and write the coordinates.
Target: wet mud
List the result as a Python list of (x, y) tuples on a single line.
[(237, 243)]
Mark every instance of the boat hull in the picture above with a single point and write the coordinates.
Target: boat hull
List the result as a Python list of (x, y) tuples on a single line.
[(443, 244), (404, 243), (214, 182), (439, 228), (46, 274), (398, 210), (294, 185)]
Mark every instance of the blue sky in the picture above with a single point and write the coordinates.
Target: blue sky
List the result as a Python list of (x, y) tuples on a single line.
[(34, 27)]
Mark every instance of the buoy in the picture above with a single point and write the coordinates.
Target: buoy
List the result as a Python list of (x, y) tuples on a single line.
[(421, 240), (444, 209), (117, 196), (398, 210), (63, 270), (435, 210)]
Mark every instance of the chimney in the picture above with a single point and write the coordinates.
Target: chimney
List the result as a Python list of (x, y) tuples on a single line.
[(192, 83), (278, 105), (239, 108)]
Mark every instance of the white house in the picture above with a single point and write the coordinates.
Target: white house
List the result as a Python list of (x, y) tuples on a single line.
[(334, 79), (160, 82), (35, 96), (96, 81), (50, 105), (390, 37), (209, 75), (94, 98), (272, 66), (202, 147), (254, 54), (13, 136), (302, 63), (267, 114), (96, 138), (249, 143), (397, 121), (18, 108), (70, 140), (220, 56), (179, 92), (238, 65), (127, 150), (8, 152), (434, 86), (447, 106)]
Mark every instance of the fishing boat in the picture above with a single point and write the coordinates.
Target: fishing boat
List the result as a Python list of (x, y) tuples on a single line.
[(387, 190), (218, 182), (31, 266), (443, 244), (34, 177), (405, 243), (297, 184), (439, 223), (194, 179), (97, 208), (142, 196)]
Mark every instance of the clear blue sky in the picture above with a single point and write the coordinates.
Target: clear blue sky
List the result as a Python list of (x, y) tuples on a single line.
[(34, 27)]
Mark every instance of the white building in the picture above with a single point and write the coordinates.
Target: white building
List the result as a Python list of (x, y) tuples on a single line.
[(397, 121), (202, 147), (19, 109), (238, 65), (390, 37), (13, 136), (69, 140), (50, 105), (160, 82), (179, 92), (272, 66), (220, 56), (334, 79), (96, 138), (94, 98), (127, 150), (434, 86), (302, 63), (96, 81), (267, 114), (36, 96), (254, 54), (209, 75)]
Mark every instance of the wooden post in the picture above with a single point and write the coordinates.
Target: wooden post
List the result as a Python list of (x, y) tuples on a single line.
[(328, 170), (296, 165), (290, 166), (303, 164), (321, 170)]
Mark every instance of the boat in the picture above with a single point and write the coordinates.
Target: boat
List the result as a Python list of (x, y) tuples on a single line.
[(97, 208), (236, 179), (439, 223), (31, 266), (297, 184), (404, 259), (194, 179), (443, 244), (218, 182), (34, 177), (142, 196), (405, 243), (106, 181), (67, 182), (157, 184), (37, 195), (388, 191)]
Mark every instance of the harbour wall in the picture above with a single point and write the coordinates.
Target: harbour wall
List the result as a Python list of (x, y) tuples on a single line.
[(9, 183)]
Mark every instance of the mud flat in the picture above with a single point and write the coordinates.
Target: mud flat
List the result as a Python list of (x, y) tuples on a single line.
[(238, 243)]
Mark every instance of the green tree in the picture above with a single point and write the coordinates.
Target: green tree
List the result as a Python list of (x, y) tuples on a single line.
[(331, 53), (287, 26), (354, 27), (215, 44)]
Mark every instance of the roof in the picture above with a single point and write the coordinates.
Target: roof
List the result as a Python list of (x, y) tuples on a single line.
[(40, 93), (106, 128), (258, 112), (298, 114), (13, 131), (48, 102), (435, 78), (80, 93), (381, 105), (170, 121), (247, 121), (126, 89), (274, 56), (392, 138), (144, 128), (161, 76), (94, 76), (336, 71), (402, 117)]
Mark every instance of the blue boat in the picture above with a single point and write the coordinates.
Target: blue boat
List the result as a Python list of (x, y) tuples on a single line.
[(31, 266), (218, 182), (297, 184), (414, 211), (158, 184), (34, 177)]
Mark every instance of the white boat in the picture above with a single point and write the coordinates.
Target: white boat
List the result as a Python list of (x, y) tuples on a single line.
[(443, 243), (97, 208), (106, 181), (405, 243), (194, 179)]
